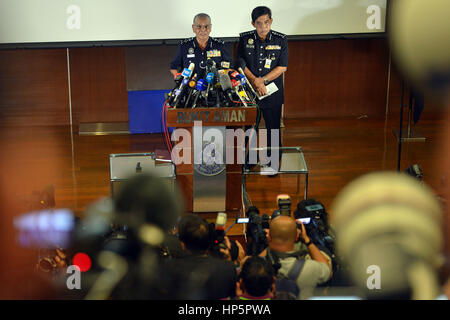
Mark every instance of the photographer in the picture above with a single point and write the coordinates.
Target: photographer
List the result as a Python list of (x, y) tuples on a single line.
[(283, 234), (198, 275)]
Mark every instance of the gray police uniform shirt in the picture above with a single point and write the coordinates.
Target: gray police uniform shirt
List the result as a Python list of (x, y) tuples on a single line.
[(189, 51), (261, 57), (312, 274)]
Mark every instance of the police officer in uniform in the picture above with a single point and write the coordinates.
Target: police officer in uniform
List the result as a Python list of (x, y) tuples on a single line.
[(265, 53), (199, 48)]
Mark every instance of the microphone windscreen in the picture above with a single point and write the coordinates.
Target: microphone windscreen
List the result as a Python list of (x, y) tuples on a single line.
[(210, 77), (225, 81), (201, 85)]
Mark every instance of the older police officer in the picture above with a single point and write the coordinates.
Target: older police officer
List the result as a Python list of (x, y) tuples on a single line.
[(200, 48), (265, 53)]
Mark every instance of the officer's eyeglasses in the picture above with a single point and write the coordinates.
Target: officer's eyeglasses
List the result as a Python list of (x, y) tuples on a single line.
[(200, 27)]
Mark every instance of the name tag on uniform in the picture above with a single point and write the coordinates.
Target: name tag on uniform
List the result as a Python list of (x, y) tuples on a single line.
[(273, 47), (191, 55), (213, 53), (268, 63)]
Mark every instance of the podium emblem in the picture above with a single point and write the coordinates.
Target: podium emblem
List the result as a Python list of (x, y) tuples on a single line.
[(209, 166)]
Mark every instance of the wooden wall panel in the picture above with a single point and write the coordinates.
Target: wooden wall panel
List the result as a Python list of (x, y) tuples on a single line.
[(325, 79), (98, 81), (336, 78), (33, 87)]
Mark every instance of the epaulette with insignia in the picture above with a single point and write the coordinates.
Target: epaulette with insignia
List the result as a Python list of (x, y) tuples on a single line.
[(282, 35), (247, 33), (218, 40), (186, 40)]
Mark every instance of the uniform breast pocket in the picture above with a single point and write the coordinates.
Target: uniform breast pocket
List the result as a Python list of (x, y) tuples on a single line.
[(274, 54), (217, 60)]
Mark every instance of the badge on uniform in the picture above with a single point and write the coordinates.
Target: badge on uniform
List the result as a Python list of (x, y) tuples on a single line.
[(191, 53), (268, 63), (213, 53), (273, 47)]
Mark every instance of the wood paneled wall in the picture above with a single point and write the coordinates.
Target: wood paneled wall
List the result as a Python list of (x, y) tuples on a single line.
[(336, 78), (33, 87), (99, 87), (325, 79)]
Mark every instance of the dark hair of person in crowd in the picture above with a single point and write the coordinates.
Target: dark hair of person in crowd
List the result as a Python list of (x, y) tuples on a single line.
[(194, 233), (257, 276)]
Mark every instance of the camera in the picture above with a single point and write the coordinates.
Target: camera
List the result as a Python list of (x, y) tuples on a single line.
[(256, 236), (217, 231), (284, 204), (317, 226)]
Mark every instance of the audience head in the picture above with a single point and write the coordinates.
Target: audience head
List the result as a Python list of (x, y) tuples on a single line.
[(388, 231), (194, 233), (147, 199), (257, 277), (283, 233)]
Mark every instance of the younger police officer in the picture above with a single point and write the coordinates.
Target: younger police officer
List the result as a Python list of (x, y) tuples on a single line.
[(265, 53), (200, 48)]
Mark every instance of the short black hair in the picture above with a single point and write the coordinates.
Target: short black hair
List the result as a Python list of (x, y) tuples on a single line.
[(194, 232), (257, 275), (260, 11)]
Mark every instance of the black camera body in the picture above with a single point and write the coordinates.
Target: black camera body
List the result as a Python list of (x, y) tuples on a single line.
[(256, 236), (217, 235), (318, 229)]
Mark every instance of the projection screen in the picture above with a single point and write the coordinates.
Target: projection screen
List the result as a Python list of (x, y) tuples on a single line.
[(78, 21)]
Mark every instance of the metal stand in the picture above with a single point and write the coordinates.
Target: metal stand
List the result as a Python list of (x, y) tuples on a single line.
[(410, 134), (292, 162)]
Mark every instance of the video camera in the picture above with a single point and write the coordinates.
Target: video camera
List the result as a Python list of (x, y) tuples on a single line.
[(318, 228), (256, 236), (309, 212)]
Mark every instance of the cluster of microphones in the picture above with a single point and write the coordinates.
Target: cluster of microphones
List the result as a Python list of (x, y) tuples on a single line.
[(221, 87)]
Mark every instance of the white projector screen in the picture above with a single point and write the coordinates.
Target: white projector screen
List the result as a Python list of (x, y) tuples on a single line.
[(47, 21)]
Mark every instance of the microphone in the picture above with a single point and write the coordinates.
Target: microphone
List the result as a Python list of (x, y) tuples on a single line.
[(210, 80), (201, 86), (238, 83), (247, 87), (192, 85), (241, 66), (211, 67), (180, 92), (210, 64), (187, 72), (177, 79), (225, 83)]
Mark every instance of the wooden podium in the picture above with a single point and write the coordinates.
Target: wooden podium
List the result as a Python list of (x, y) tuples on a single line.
[(210, 187)]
